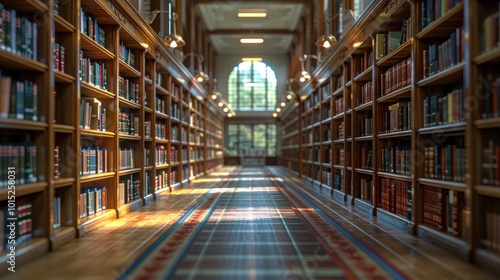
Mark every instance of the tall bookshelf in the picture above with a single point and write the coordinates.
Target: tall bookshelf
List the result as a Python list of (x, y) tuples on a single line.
[(102, 113), (414, 124)]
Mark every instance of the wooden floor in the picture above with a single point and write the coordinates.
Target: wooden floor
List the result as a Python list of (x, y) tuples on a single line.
[(107, 251)]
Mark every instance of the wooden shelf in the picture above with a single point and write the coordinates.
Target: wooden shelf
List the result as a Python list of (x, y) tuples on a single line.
[(96, 133), (398, 55), (365, 76), (363, 171), (336, 166), (445, 128), (397, 134), (443, 27), (457, 186), (491, 191), (128, 104), (13, 61), (128, 71), (364, 138), (129, 137), (488, 58), (95, 177), (25, 189), (62, 128), (63, 182), (28, 6), (62, 25), (338, 92), (93, 50), (23, 125), (488, 123), (402, 93), (61, 77), (445, 77), (89, 90), (129, 171), (364, 107), (394, 176)]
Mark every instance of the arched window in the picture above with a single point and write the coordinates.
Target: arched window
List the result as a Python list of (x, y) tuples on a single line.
[(252, 87)]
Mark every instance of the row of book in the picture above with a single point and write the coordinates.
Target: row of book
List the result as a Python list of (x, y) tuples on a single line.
[(147, 129), (128, 89), (397, 118), (490, 95), (366, 93), (174, 110), (129, 189), (338, 181), (57, 162), (92, 114), (396, 160), (18, 231), (442, 56), (126, 54), (490, 32), (491, 238), (432, 10), (326, 112), (445, 163), (59, 55), (366, 160), (161, 130), (366, 126), (147, 157), (22, 102), (174, 155), (395, 197), (491, 163), (443, 209), (365, 61), (341, 156), (126, 158), (366, 189), (90, 27), (385, 43), (442, 108), (128, 123), (340, 130), (339, 105), (161, 155), (19, 35), (93, 160), (93, 72), (20, 158), (325, 177), (396, 77), (164, 179), (92, 201), (160, 106)]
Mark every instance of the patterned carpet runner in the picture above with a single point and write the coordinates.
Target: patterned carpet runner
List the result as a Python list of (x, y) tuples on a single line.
[(256, 228)]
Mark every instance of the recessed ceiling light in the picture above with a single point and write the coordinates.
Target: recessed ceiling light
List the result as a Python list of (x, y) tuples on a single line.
[(251, 40), (251, 59), (252, 13)]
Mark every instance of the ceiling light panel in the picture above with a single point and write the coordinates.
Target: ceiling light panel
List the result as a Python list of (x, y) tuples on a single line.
[(252, 13)]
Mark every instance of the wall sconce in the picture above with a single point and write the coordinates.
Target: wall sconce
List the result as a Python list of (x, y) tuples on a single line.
[(304, 75), (328, 40), (214, 95), (201, 77), (173, 39), (289, 93)]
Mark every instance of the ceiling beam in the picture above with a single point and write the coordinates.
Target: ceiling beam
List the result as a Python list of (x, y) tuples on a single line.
[(251, 2), (251, 31)]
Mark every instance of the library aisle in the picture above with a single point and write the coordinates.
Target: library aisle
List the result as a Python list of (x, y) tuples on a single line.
[(247, 223)]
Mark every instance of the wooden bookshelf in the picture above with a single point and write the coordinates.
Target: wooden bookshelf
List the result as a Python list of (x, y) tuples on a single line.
[(450, 111), (92, 96)]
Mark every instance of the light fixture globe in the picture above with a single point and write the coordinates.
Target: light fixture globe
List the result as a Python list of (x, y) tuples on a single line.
[(174, 41), (326, 41), (201, 77)]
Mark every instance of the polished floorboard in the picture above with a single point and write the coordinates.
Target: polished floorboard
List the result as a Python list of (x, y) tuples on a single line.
[(106, 252)]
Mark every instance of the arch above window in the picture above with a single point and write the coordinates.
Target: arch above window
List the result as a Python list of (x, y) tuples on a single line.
[(252, 87)]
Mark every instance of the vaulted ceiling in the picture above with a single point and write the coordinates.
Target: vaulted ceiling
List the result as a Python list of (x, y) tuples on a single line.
[(225, 28)]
